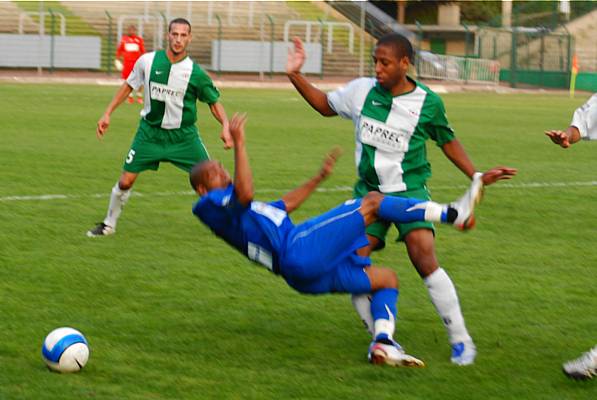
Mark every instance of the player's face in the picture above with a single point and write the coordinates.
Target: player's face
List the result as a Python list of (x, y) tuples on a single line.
[(132, 31), (390, 69), (214, 176), (179, 38)]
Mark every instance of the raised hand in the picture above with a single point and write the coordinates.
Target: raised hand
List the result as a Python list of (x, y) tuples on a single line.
[(296, 57), (559, 137), (497, 174), (329, 162), (237, 127)]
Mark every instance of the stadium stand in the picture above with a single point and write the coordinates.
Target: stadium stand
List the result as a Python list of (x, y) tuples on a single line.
[(213, 19)]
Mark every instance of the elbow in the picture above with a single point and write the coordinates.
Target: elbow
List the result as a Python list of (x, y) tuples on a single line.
[(325, 110), (327, 113), (289, 206)]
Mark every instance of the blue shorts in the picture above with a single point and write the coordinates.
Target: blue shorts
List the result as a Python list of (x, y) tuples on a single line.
[(320, 254)]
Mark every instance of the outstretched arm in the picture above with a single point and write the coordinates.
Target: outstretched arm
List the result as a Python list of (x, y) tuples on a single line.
[(219, 113), (315, 97), (456, 153), (243, 178), (564, 139), (293, 199), (104, 122)]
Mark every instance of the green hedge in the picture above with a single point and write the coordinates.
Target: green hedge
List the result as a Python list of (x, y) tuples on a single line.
[(552, 79)]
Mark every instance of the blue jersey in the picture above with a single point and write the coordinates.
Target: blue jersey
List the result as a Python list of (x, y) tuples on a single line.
[(316, 256), (258, 230)]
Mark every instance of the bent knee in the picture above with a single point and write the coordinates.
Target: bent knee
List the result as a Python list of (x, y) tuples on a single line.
[(392, 279), (126, 181), (382, 278), (372, 198)]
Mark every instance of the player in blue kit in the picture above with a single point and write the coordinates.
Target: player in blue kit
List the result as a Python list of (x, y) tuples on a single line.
[(320, 255)]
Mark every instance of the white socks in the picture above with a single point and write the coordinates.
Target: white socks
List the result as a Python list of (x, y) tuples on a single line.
[(385, 327), (118, 199), (444, 298), (362, 303)]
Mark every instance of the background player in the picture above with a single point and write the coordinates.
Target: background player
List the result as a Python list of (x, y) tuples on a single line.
[(319, 255), (393, 117), (167, 132), (583, 126), (130, 49)]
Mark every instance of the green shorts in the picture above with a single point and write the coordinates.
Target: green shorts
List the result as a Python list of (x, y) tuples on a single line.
[(379, 229), (181, 147)]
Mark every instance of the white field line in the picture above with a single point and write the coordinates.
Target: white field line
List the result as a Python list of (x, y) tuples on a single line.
[(335, 189)]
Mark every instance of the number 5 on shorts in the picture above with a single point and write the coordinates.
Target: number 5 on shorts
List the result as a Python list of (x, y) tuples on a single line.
[(130, 156)]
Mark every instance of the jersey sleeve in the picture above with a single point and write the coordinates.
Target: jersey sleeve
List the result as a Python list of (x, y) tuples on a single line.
[(227, 199), (216, 202), (206, 91), (278, 204), (342, 100), (585, 119), (439, 129), (137, 76)]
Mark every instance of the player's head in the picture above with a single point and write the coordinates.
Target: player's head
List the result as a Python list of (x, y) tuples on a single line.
[(208, 175), (132, 30), (392, 56), (179, 35)]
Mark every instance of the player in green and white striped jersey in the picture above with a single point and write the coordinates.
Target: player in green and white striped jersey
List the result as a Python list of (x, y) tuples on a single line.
[(394, 116), (172, 83)]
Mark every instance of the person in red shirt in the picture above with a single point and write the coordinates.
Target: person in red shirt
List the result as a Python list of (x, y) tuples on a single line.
[(130, 49)]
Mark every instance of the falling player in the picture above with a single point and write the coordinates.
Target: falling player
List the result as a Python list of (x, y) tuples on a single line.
[(319, 255)]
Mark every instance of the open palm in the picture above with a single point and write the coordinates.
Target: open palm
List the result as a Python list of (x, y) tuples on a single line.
[(296, 57)]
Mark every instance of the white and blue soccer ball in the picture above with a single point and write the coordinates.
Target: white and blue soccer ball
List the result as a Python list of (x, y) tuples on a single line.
[(65, 350)]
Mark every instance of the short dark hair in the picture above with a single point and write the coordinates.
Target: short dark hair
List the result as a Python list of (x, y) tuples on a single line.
[(179, 21), (401, 44), (195, 174)]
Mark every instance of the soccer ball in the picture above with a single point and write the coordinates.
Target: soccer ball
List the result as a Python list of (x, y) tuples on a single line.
[(65, 350)]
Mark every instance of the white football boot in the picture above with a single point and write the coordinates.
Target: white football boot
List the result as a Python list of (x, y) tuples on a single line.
[(466, 204), (391, 353), (584, 367), (463, 353)]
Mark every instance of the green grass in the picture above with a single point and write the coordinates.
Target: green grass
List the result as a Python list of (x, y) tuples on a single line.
[(171, 312)]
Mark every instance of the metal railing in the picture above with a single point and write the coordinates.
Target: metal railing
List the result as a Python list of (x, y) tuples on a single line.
[(457, 69), (157, 21), (42, 23), (321, 25), (365, 14)]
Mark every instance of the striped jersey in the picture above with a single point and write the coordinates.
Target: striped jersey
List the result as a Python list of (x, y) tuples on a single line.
[(585, 119), (390, 132), (171, 90)]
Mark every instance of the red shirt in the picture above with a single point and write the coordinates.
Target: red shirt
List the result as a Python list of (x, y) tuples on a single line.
[(130, 48)]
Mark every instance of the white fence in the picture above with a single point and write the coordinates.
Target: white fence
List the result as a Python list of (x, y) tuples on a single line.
[(43, 51), (460, 69), (257, 56)]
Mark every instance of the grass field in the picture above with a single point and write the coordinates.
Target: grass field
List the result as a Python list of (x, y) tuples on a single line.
[(172, 313)]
